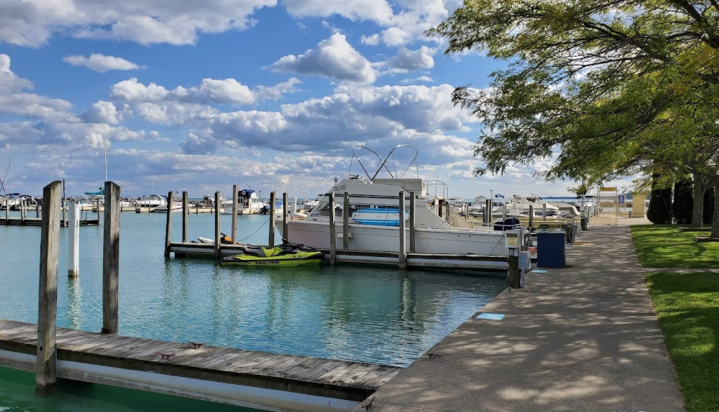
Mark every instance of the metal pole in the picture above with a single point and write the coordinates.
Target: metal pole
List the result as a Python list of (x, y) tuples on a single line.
[(273, 207), (285, 229), (217, 225), (402, 233), (168, 226), (412, 222), (73, 241), (46, 362), (346, 222), (333, 230), (185, 214), (235, 204), (111, 259)]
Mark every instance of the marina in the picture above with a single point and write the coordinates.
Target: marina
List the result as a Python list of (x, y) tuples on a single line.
[(404, 311)]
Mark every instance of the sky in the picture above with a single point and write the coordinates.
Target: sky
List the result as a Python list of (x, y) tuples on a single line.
[(266, 94)]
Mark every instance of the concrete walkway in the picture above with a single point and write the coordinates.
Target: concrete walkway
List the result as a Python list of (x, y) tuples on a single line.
[(583, 338)]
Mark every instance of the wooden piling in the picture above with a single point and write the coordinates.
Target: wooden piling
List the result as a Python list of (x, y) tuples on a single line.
[(412, 229), (402, 233), (235, 204), (441, 207), (46, 362), (111, 259), (273, 200), (285, 229), (504, 212), (168, 226), (185, 213), (22, 209), (217, 225), (73, 240), (531, 216), (544, 212), (346, 222), (333, 230), (514, 275)]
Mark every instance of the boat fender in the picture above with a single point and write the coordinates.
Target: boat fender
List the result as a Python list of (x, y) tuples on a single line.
[(341, 235)]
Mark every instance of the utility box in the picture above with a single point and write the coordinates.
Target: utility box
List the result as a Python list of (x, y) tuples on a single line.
[(551, 252), (525, 260)]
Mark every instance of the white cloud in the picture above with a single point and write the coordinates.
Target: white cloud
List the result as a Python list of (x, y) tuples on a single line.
[(103, 112), (418, 79), (9, 82), (334, 58), (376, 10), (33, 22), (227, 91), (277, 91), (372, 40), (100, 62), (408, 60)]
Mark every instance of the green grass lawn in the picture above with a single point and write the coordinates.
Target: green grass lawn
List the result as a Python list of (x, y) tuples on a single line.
[(688, 309), (663, 246)]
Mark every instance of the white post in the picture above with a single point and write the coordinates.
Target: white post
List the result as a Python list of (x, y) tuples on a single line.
[(73, 241)]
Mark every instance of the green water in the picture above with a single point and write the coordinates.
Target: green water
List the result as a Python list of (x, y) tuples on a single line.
[(357, 313), (17, 394)]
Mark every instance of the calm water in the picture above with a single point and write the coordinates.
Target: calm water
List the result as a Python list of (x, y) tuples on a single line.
[(373, 314)]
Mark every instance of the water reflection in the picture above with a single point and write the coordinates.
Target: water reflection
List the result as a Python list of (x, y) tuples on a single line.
[(74, 308)]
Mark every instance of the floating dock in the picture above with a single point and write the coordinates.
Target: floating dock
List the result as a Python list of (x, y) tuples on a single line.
[(238, 377), (414, 260)]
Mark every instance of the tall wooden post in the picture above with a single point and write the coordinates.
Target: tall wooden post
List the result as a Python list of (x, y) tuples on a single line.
[(440, 207), (544, 212), (531, 216), (168, 225), (514, 274), (346, 222), (46, 362), (412, 223), (111, 259), (235, 204), (504, 212), (285, 229), (73, 240), (273, 206), (333, 230), (185, 214), (402, 233), (217, 225)]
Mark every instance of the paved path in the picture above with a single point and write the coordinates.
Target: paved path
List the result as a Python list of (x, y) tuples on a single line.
[(583, 338)]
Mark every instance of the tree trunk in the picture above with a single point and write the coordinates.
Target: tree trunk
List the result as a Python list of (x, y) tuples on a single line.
[(698, 205), (715, 220)]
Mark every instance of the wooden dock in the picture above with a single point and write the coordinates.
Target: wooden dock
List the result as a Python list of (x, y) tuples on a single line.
[(36, 221), (247, 378)]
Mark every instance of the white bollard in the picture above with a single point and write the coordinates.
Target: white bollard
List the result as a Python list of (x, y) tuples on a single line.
[(73, 241)]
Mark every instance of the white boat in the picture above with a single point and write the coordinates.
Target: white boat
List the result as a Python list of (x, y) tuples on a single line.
[(247, 203), (432, 233), (176, 207), (150, 202)]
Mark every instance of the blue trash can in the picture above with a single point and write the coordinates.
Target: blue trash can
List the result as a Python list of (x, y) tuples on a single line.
[(551, 252)]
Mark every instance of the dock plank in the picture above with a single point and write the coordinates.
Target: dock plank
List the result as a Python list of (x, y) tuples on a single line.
[(300, 374)]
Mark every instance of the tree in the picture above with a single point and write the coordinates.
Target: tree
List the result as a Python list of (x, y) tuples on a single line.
[(594, 82), (660, 204), (683, 202)]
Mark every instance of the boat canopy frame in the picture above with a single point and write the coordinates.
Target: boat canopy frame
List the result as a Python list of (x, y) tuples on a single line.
[(383, 162)]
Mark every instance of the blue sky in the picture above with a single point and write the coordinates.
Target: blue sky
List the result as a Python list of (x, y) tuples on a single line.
[(270, 94)]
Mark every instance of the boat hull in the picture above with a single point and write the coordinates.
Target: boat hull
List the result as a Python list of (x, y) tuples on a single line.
[(386, 238)]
